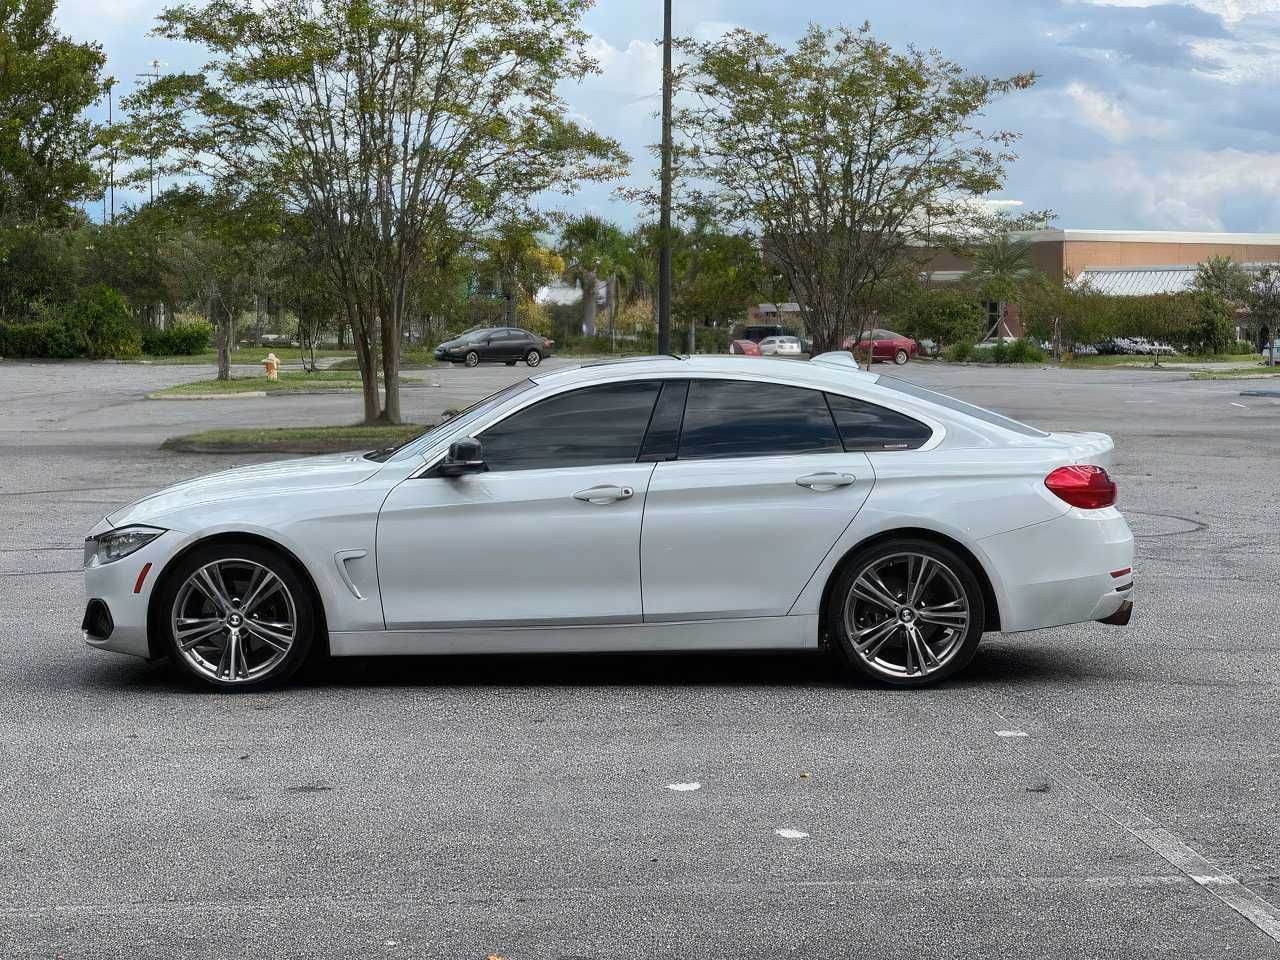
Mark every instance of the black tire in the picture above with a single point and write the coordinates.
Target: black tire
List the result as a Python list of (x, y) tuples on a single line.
[(901, 357), (509, 363), (472, 359), (533, 358), (953, 649), (304, 609)]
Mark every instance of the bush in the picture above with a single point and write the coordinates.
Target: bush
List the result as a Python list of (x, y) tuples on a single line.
[(100, 318), (179, 340), (1019, 351), (48, 339)]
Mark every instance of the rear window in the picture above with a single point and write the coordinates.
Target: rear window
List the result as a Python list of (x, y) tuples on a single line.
[(959, 406), (737, 418), (866, 427)]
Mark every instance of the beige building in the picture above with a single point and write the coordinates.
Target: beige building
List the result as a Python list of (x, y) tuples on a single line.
[(1120, 262)]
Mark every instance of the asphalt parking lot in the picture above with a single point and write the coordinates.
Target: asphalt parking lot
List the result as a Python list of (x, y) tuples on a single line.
[(1059, 801)]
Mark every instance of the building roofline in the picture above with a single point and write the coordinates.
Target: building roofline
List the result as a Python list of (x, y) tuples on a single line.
[(1148, 236)]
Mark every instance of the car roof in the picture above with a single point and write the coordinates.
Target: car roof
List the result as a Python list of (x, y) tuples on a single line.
[(817, 375)]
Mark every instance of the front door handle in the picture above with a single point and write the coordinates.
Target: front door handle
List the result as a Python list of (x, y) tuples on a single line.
[(604, 493), (823, 482)]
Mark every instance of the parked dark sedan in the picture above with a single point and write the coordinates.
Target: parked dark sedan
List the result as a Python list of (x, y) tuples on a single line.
[(496, 345)]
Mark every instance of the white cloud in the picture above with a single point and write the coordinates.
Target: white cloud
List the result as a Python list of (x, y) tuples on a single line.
[(1105, 113), (1232, 11), (1187, 190), (634, 71)]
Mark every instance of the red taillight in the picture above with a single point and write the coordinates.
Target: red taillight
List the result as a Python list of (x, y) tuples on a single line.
[(1085, 486)]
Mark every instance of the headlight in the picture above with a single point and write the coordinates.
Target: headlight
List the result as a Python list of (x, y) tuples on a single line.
[(115, 544)]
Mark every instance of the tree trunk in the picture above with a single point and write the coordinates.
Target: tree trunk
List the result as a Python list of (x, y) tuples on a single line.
[(226, 330), (589, 284), (613, 312), (360, 339), (391, 319)]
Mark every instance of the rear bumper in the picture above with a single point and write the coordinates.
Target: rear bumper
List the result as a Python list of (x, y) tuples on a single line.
[(1061, 571)]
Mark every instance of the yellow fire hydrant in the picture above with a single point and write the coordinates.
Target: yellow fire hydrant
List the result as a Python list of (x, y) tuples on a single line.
[(272, 364)]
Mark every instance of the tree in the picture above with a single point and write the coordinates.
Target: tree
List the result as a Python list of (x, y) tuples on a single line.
[(396, 125), (46, 144), (591, 248), (1224, 278), (945, 316), (1263, 300), (211, 243), (842, 155), (513, 252), (1001, 269)]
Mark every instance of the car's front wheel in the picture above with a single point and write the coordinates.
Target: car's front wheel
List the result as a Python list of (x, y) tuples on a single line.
[(533, 358), (907, 613), (901, 357), (238, 616), (472, 358)]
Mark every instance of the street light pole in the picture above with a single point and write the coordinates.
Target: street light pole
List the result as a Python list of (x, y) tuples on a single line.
[(664, 217)]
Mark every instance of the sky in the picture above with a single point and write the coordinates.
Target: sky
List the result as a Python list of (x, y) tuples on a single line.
[(1148, 115)]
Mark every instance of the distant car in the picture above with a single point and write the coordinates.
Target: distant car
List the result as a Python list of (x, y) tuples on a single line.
[(780, 347), (496, 345), (884, 345), (745, 348)]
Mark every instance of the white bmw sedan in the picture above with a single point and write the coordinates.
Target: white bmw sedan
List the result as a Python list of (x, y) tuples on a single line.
[(711, 503)]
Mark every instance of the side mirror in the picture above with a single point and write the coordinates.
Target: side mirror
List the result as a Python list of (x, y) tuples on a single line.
[(464, 456)]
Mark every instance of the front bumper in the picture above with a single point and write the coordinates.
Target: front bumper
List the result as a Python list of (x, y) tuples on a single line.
[(126, 595), (1062, 570)]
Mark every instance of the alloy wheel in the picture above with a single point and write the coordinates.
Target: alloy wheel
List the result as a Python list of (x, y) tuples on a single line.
[(472, 359), (901, 357), (906, 615), (533, 358), (234, 620)]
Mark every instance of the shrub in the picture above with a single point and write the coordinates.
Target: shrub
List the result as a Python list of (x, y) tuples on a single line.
[(1024, 351), (100, 319), (1019, 351), (50, 339), (179, 340)]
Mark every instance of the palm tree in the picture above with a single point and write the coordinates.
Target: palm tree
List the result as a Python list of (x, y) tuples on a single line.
[(591, 248), (1002, 268)]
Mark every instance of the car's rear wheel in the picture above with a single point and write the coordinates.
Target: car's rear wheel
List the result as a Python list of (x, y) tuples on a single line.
[(901, 357), (238, 616), (471, 359), (907, 613), (533, 358)]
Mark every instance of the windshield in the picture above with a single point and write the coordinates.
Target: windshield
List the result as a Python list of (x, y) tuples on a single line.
[(455, 424), (951, 403)]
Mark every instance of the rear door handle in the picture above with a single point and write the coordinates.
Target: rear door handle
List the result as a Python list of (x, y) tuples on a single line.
[(825, 481), (604, 493)]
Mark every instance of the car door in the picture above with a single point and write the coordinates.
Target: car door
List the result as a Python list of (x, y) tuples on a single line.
[(548, 534), (759, 491)]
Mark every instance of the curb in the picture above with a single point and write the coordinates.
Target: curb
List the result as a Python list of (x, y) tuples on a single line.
[(248, 395), (177, 445)]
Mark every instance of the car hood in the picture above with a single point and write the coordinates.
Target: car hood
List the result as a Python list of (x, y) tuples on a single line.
[(282, 476)]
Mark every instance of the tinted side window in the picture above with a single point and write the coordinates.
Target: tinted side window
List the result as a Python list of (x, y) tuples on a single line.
[(594, 425), (738, 418), (865, 426)]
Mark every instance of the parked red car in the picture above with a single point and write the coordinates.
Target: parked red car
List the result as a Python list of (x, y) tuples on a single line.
[(747, 348), (884, 345)]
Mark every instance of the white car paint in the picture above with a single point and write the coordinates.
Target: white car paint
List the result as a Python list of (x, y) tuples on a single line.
[(718, 554)]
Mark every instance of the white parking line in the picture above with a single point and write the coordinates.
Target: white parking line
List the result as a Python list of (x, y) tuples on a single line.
[(1170, 847), (1240, 405)]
